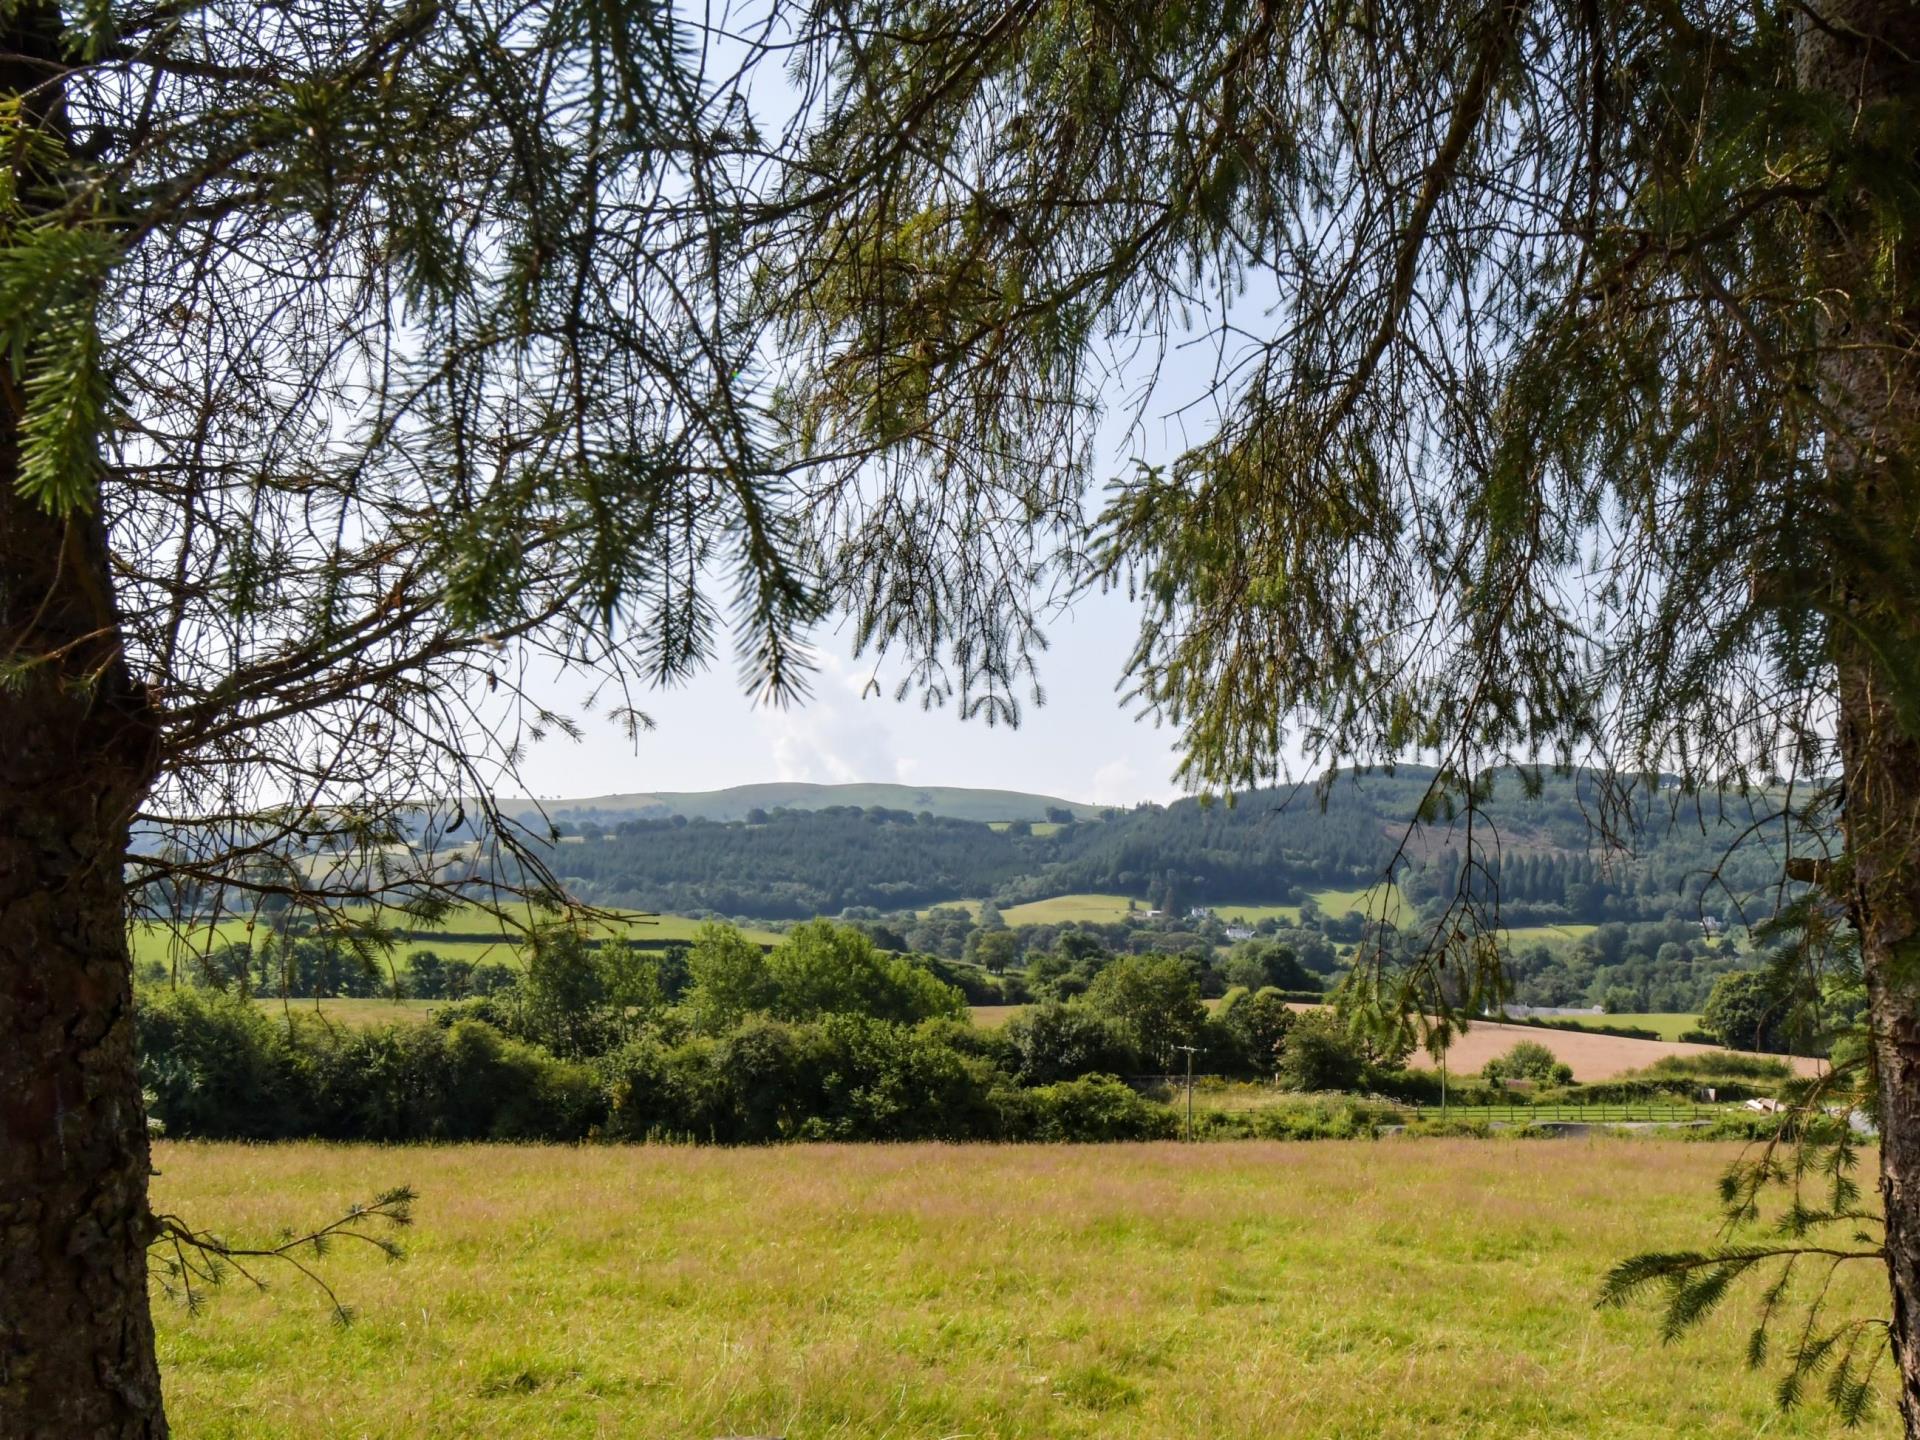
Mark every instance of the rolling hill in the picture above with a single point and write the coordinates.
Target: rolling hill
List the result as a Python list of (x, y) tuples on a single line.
[(951, 802)]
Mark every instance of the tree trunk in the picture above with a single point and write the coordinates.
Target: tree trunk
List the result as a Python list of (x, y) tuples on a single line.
[(1866, 53), (77, 752), (1883, 842), (76, 1338)]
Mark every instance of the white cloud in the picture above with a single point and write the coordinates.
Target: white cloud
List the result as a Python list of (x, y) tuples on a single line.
[(834, 738)]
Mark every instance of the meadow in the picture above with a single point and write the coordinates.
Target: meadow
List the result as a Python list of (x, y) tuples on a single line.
[(1394, 1288), (153, 940), (1669, 1026)]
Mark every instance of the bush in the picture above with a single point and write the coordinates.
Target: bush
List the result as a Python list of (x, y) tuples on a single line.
[(1528, 1061), (1319, 1054), (1059, 1042), (467, 1082), (1319, 1118), (220, 1069), (217, 1067), (1092, 1108)]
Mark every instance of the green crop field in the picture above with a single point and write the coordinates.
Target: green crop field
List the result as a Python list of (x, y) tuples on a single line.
[(355, 1012), (1396, 1289), (1365, 901), (1552, 936), (1254, 914), (1669, 1026), (1100, 909), (154, 941)]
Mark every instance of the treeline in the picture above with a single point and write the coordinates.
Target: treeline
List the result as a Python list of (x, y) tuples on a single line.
[(1536, 855), (794, 864), (824, 1037)]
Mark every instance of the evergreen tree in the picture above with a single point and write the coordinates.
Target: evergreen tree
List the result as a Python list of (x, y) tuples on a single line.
[(357, 356), (1574, 410)]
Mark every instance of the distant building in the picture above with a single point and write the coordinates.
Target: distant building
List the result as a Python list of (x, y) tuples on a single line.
[(1239, 932)]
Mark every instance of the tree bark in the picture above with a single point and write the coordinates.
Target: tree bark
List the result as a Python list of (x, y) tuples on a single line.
[(1866, 53), (76, 741), (77, 752)]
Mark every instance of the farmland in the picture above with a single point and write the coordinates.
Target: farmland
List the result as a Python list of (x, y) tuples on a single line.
[(1106, 909), (1669, 1027), (1591, 1056), (1150, 1292), (1099, 909), (1374, 902), (451, 938)]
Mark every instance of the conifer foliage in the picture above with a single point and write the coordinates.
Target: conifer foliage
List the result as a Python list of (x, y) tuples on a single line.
[(358, 357), (1558, 404)]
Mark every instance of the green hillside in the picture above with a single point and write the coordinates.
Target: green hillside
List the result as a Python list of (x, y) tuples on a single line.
[(948, 801)]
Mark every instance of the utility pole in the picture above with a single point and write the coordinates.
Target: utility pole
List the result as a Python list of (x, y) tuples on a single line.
[(1190, 1052)]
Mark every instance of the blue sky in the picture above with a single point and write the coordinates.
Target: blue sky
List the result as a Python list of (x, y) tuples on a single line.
[(1081, 745)]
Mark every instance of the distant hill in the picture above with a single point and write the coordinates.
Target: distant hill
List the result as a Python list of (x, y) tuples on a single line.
[(950, 802), (819, 849)]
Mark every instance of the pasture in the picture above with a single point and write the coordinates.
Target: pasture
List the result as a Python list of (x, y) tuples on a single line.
[(1396, 1288), (466, 933), (1554, 937), (1374, 902), (1669, 1026), (357, 1012), (1099, 909)]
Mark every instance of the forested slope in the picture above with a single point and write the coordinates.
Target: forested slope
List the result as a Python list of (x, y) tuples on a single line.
[(1544, 857)]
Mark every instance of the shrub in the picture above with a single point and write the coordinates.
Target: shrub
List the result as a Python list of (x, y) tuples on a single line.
[(1318, 1118), (1091, 1108), (217, 1067), (1059, 1042), (1319, 1054), (1530, 1061), (467, 1082)]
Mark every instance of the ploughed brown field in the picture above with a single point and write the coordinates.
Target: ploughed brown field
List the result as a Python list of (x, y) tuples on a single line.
[(1591, 1056)]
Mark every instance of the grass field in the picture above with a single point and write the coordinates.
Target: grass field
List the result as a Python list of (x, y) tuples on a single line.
[(357, 1012), (1553, 937), (1254, 914), (1669, 1026), (1161, 1292), (1101, 909), (151, 941), (1366, 900)]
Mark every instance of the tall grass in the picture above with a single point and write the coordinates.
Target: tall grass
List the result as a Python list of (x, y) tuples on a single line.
[(1364, 1289)]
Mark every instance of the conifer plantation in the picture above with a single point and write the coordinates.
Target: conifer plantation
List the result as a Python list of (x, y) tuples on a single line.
[(1560, 415)]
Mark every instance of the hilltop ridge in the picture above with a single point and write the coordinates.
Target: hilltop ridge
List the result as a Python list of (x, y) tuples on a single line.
[(951, 802)]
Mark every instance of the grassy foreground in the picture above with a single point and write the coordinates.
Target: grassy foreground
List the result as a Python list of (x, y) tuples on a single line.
[(1393, 1288)]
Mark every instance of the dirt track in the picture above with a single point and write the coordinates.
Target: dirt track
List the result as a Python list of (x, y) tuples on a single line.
[(1592, 1056)]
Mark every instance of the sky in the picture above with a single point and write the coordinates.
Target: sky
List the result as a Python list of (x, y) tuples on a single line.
[(1080, 745)]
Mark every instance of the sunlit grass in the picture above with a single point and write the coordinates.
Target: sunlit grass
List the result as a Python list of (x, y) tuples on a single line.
[(1342, 1289), (1670, 1026), (1101, 909), (152, 940), (1554, 937)]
